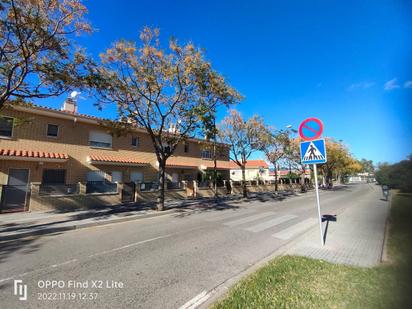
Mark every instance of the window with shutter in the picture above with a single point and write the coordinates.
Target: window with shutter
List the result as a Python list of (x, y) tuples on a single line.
[(100, 139)]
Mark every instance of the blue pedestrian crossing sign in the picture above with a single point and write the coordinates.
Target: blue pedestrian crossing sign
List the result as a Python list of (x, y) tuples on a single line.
[(313, 152)]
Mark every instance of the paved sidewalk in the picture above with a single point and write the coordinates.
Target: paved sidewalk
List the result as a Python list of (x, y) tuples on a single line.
[(18, 225), (356, 238)]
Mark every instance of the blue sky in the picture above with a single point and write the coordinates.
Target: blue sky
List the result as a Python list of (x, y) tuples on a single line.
[(345, 62)]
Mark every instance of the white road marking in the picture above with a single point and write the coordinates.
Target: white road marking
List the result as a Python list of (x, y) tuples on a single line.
[(295, 229), (196, 301), (271, 223), (90, 256), (129, 245), (64, 263), (249, 219), (222, 215)]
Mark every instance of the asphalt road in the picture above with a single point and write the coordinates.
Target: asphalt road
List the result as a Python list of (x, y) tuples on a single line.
[(160, 262)]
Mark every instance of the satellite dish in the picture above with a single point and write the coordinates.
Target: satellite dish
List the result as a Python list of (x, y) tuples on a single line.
[(74, 94)]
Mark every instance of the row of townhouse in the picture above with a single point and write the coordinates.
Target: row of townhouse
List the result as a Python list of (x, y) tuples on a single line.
[(69, 152)]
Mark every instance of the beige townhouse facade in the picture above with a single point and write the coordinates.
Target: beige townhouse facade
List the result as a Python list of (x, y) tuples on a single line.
[(254, 170), (64, 149)]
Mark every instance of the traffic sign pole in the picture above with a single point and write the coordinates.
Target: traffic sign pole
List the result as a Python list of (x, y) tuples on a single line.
[(318, 203)]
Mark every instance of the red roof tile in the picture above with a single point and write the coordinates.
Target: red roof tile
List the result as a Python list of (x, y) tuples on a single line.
[(32, 154), (250, 164), (116, 159), (225, 165)]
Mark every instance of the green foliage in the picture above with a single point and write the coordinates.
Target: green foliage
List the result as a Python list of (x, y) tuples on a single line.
[(172, 93), (367, 166), (299, 282), (397, 176), (242, 135), (37, 58)]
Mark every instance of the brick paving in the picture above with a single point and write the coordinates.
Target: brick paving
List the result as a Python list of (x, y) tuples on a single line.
[(356, 238)]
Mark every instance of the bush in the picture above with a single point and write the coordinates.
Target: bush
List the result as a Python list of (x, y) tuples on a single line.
[(396, 176)]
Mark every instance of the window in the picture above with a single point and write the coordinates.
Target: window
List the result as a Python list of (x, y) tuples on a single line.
[(136, 177), (100, 139), (167, 149), (51, 176), (135, 141), (116, 176), (186, 147), (206, 154), (6, 126), (95, 176), (52, 130)]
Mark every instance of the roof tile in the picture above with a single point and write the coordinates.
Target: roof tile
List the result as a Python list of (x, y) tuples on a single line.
[(32, 154)]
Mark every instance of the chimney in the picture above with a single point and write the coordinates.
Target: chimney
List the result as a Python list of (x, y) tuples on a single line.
[(70, 105)]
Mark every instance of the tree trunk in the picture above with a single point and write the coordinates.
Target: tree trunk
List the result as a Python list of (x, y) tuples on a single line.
[(276, 177), (302, 179), (329, 181), (161, 197), (244, 181), (214, 169)]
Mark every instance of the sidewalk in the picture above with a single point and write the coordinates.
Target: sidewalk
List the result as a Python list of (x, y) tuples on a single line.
[(356, 238), (18, 225)]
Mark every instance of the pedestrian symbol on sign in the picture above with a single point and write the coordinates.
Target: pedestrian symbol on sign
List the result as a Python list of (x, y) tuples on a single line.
[(313, 152)]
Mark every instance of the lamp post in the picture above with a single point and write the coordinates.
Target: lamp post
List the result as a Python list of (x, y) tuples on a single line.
[(289, 131)]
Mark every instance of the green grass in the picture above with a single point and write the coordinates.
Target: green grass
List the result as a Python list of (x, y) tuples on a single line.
[(299, 282)]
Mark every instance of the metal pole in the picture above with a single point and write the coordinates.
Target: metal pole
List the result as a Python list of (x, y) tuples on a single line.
[(318, 203)]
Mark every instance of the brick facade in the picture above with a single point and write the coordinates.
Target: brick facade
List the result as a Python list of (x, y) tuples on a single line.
[(30, 133)]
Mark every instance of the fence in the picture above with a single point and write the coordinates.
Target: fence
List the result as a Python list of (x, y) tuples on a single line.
[(101, 187), (96, 194), (63, 189)]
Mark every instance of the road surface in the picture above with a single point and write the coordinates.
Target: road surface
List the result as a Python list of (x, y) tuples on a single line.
[(160, 262)]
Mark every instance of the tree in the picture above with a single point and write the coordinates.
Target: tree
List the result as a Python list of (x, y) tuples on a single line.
[(294, 159), (37, 58), (397, 176), (209, 128), (167, 92), (273, 144), (339, 161), (367, 166), (243, 137)]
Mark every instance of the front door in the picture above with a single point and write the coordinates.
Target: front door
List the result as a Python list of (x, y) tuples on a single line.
[(14, 194)]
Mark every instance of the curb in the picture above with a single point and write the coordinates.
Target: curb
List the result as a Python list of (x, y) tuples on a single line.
[(219, 291), (384, 254), (52, 230)]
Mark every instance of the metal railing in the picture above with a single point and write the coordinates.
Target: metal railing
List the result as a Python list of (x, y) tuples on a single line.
[(204, 184), (174, 185), (59, 189), (149, 186), (101, 187)]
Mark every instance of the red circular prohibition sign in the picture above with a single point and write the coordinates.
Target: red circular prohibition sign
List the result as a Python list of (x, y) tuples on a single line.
[(308, 124)]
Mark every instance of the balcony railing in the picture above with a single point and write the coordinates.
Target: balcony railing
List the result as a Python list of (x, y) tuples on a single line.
[(101, 187), (58, 189), (149, 186), (174, 185)]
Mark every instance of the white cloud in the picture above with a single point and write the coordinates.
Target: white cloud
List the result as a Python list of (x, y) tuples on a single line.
[(408, 84), (391, 84), (361, 85)]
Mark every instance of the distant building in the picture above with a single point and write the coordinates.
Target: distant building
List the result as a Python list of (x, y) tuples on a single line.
[(362, 177), (283, 173), (254, 170)]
